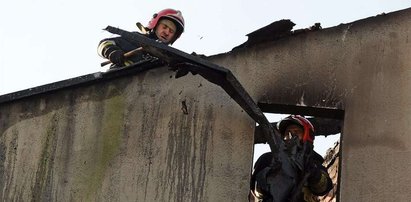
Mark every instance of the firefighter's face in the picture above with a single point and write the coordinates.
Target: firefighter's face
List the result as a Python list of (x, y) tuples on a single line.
[(292, 131), (165, 32)]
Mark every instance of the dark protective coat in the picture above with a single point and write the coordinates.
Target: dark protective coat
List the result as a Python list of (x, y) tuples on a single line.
[(119, 43), (287, 182)]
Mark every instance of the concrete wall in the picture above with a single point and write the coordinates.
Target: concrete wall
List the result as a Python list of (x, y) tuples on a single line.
[(127, 139), (363, 68), (131, 139)]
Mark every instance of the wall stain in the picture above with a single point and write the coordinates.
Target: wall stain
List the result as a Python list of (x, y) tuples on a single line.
[(39, 184), (68, 139), (108, 147), (8, 191), (151, 111), (3, 150), (44, 175), (185, 174)]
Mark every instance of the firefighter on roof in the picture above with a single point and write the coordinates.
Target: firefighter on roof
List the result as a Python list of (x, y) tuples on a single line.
[(166, 26)]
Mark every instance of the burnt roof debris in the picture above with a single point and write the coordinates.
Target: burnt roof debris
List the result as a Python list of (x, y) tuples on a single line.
[(315, 27), (270, 32), (275, 31)]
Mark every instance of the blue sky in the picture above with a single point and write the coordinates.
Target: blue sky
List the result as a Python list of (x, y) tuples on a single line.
[(44, 41)]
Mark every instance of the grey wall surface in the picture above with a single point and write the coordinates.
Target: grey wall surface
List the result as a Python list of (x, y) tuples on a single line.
[(126, 140), (363, 68), (133, 139)]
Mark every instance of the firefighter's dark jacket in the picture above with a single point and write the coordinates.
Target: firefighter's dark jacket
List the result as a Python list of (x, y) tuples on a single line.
[(318, 186), (108, 45)]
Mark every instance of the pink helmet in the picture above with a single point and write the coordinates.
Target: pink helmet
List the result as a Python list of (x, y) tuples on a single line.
[(171, 14), (301, 121)]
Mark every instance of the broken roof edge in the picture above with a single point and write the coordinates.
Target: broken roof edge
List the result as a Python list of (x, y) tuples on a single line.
[(274, 31), (49, 87), (283, 28), (76, 82)]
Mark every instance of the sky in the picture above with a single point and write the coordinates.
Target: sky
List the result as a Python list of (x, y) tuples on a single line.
[(45, 41)]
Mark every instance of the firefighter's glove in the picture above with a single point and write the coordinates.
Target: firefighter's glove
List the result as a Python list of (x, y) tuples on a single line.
[(117, 57), (315, 174)]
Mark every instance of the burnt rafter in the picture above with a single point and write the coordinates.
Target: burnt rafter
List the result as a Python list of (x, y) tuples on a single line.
[(184, 63)]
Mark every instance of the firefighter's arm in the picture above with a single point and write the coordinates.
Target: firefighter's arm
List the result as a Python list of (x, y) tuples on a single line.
[(108, 48)]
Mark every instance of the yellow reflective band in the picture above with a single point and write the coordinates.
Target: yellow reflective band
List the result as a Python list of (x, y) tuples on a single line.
[(103, 45), (128, 62)]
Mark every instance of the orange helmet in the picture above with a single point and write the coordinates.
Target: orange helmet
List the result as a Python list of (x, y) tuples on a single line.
[(301, 121), (170, 14)]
